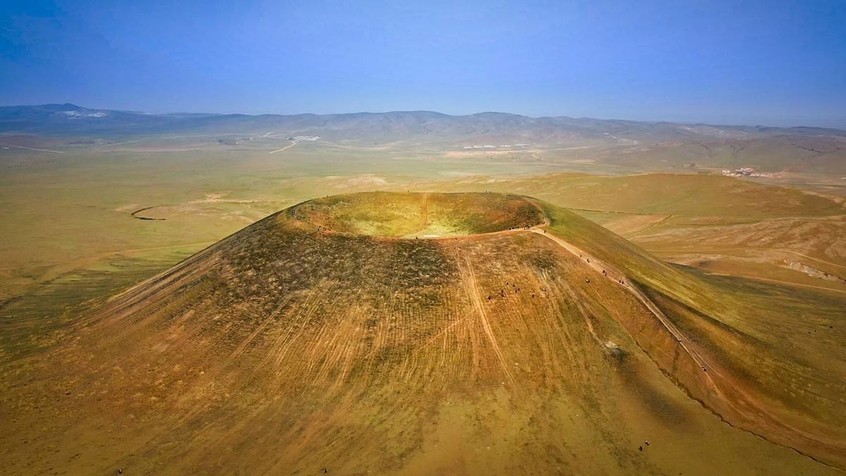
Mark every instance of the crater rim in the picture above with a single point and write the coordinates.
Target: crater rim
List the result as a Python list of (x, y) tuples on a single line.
[(415, 215)]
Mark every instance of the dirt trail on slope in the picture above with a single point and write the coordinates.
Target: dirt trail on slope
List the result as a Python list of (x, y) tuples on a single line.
[(472, 287), (740, 402), (618, 277)]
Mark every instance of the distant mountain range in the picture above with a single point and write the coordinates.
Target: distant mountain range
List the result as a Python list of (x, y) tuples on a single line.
[(426, 126)]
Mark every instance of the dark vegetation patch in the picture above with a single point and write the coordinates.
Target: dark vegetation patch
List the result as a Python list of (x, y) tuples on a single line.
[(543, 260), (273, 268)]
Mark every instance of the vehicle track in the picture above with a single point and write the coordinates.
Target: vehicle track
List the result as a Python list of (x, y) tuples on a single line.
[(472, 287)]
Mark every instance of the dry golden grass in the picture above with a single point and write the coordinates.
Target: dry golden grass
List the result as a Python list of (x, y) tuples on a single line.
[(288, 349), (151, 395)]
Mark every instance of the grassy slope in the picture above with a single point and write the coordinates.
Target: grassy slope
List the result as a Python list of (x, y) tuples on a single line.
[(756, 332), (282, 350)]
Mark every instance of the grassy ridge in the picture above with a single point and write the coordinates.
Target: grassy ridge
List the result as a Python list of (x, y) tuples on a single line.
[(737, 326)]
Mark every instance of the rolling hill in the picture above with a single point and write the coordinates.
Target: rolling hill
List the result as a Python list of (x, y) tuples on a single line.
[(70, 119), (431, 333), (613, 145)]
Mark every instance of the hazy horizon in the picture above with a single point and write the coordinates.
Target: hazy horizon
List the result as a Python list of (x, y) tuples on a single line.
[(760, 63), (652, 121)]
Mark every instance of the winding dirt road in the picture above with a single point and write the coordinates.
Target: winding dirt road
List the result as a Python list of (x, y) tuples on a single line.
[(292, 144)]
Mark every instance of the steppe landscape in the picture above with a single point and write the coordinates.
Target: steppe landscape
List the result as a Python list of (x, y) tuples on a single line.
[(419, 293)]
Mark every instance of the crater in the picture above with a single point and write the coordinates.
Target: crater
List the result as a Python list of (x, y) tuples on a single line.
[(415, 215)]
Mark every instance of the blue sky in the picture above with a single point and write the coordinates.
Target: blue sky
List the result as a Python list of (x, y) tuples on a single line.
[(751, 62)]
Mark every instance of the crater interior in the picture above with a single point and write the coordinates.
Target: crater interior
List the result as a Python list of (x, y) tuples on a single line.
[(416, 215)]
